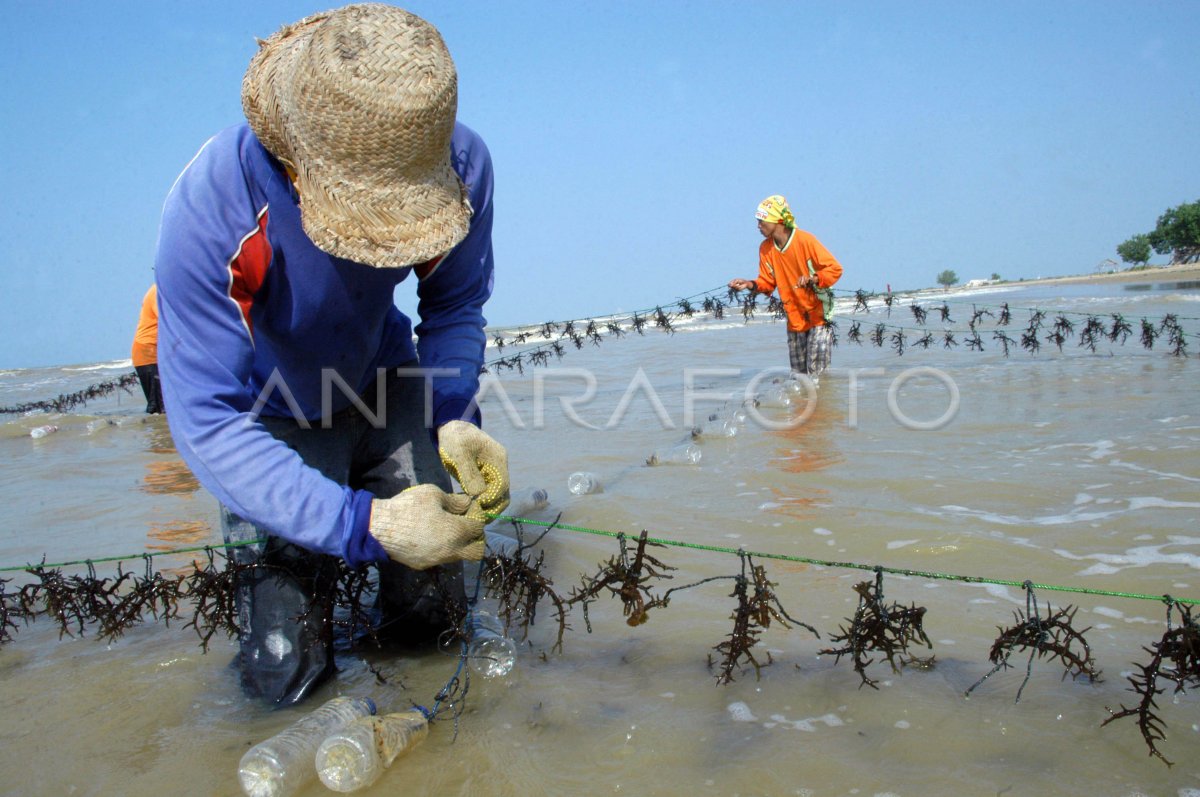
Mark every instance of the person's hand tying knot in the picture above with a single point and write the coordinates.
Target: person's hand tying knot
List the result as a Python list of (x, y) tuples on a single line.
[(478, 463), (424, 526)]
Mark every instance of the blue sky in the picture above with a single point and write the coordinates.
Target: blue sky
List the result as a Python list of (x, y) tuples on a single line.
[(632, 141)]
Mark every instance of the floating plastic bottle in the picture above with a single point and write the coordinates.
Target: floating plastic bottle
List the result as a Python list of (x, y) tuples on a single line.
[(42, 431), (490, 653), (682, 454), (584, 483), (526, 502), (775, 396), (496, 544), (354, 757), (715, 427), (279, 766)]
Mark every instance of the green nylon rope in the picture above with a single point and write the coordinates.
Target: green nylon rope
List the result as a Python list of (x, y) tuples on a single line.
[(714, 548)]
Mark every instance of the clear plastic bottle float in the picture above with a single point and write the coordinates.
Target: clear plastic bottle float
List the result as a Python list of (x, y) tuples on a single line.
[(715, 427), (490, 653), (775, 397), (279, 766), (356, 756), (526, 502), (584, 483), (682, 454)]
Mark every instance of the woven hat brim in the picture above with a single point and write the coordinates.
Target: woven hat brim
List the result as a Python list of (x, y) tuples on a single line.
[(375, 216), (423, 221)]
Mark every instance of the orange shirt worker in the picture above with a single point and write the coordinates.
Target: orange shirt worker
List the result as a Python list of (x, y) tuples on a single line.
[(795, 263), (145, 352)]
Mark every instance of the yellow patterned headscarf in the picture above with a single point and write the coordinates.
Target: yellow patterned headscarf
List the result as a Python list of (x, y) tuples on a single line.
[(775, 209)]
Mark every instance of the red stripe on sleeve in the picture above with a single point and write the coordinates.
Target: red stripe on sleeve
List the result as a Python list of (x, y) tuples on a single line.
[(248, 269), (423, 270)]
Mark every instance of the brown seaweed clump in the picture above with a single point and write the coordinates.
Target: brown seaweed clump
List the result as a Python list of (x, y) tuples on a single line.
[(1051, 637), (877, 628), (1174, 659)]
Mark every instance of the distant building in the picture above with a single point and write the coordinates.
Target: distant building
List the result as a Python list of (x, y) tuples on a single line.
[(980, 283)]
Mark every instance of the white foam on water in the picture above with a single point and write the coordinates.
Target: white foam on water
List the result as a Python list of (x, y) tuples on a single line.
[(1116, 614), (1114, 508), (893, 545), (1140, 556), (1153, 472), (125, 363), (1150, 501), (822, 532), (808, 725), (996, 591), (740, 712)]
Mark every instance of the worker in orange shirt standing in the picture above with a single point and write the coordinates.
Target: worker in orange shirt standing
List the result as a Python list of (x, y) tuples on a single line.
[(145, 352), (802, 269)]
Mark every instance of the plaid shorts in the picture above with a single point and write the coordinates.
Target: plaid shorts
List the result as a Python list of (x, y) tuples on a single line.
[(810, 351)]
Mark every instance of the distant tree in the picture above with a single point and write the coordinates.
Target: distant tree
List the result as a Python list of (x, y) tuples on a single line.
[(947, 278), (1136, 250), (995, 277), (1178, 232)]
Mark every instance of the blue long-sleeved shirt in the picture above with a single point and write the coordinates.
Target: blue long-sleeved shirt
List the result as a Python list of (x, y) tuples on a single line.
[(251, 313)]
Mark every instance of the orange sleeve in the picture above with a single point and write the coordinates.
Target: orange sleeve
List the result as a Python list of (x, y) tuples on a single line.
[(766, 274), (828, 269), (145, 339)]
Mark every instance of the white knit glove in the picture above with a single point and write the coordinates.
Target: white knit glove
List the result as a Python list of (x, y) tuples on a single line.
[(423, 527), (478, 462)]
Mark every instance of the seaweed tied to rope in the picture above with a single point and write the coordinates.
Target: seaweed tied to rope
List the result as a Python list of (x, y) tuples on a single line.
[(753, 614), (878, 628), (627, 579), (69, 401), (1175, 658), (1051, 637), (516, 581)]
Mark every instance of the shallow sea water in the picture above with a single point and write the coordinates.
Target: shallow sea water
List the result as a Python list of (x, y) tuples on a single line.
[(1064, 468)]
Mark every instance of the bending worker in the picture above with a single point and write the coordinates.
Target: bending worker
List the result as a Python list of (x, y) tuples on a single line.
[(794, 262), (293, 387)]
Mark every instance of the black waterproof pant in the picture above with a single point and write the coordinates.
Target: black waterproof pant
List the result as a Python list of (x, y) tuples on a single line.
[(151, 387), (286, 607)]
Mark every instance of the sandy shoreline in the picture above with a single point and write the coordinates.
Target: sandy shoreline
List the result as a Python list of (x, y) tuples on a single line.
[(1177, 273)]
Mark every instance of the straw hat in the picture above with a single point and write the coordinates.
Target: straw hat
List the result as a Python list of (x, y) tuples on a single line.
[(360, 102)]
